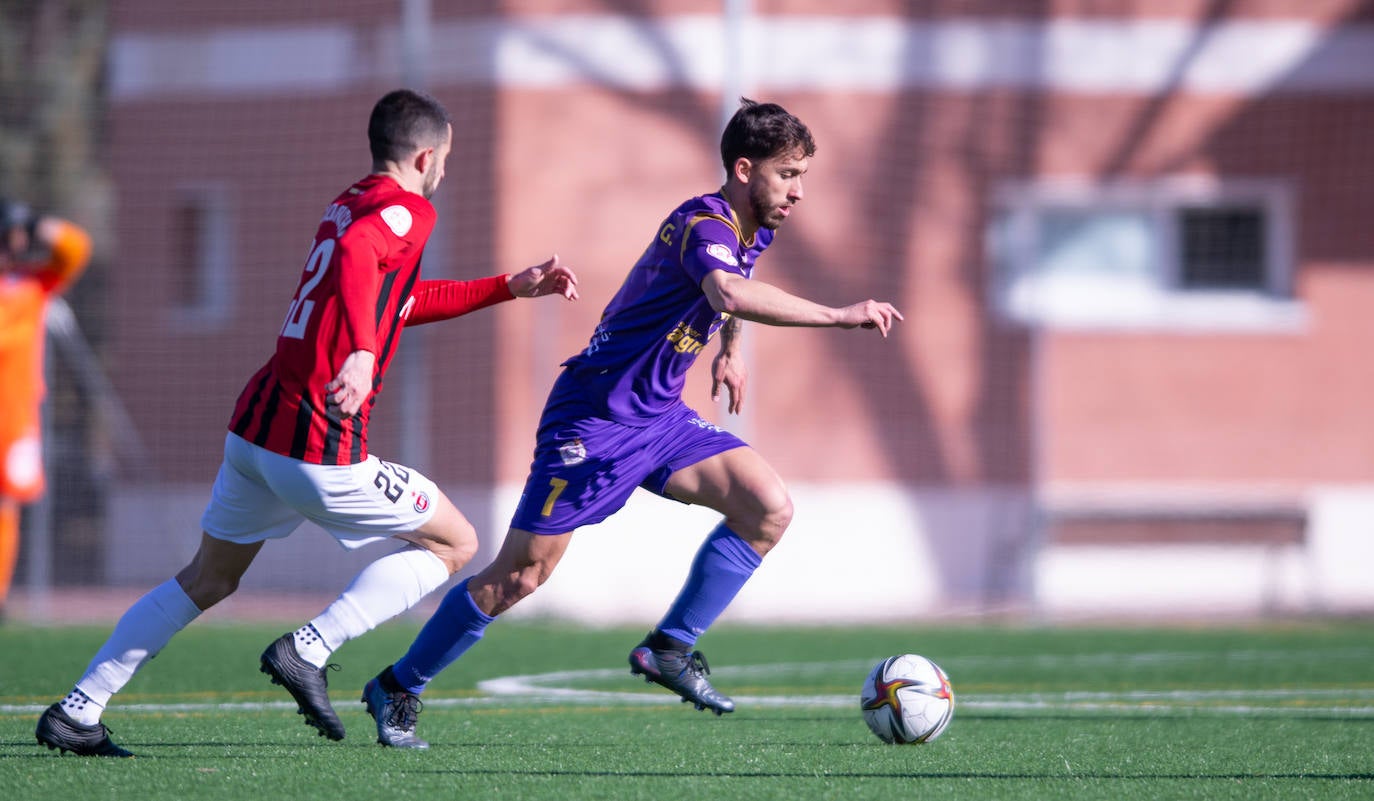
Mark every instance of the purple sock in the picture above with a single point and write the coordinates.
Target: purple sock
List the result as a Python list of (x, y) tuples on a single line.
[(455, 627), (721, 567)]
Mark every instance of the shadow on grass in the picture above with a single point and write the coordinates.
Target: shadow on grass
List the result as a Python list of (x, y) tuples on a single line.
[(222, 750), (851, 774)]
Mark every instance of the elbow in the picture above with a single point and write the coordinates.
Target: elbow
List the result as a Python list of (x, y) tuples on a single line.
[(727, 302), (71, 245)]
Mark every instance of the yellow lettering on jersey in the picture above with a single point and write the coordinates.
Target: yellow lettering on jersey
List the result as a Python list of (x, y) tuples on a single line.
[(667, 233), (686, 339)]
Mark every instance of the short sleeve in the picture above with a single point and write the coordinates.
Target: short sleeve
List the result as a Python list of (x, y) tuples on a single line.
[(710, 244)]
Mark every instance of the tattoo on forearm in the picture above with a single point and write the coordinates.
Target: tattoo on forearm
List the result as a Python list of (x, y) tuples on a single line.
[(729, 333)]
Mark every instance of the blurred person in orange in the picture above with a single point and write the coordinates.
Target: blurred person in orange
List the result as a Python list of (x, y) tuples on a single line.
[(40, 256)]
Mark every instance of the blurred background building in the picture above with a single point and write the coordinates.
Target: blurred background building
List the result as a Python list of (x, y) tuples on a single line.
[(1131, 241)]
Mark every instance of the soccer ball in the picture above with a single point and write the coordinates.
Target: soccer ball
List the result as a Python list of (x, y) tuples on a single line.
[(907, 699)]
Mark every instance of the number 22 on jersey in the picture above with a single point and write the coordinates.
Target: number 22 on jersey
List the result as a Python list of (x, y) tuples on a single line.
[(298, 315)]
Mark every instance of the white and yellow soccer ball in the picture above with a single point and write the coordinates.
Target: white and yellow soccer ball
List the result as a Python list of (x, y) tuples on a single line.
[(907, 699)]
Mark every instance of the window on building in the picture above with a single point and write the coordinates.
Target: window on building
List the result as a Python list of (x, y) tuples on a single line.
[(1168, 254), (202, 256), (1222, 248)]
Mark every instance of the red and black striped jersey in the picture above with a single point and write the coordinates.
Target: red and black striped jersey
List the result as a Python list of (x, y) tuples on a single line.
[(360, 286)]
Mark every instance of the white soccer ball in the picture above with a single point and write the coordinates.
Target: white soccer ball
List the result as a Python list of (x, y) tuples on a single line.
[(907, 699)]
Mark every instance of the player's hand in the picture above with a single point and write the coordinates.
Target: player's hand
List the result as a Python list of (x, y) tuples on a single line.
[(870, 314), (728, 370), (353, 384), (549, 278)]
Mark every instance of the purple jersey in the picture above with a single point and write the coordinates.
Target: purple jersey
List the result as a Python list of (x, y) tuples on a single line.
[(636, 364)]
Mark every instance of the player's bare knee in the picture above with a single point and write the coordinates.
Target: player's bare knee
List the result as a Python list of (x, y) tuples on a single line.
[(780, 516), (454, 544), (206, 590), (459, 547), (506, 593), (453, 560), (525, 584), (771, 523)]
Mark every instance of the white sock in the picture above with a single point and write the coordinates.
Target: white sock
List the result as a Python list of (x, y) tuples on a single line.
[(80, 708), (143, 630), (383, 590), (311, 647)]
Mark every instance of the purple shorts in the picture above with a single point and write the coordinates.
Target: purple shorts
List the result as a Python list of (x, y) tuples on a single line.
[(586, 467)]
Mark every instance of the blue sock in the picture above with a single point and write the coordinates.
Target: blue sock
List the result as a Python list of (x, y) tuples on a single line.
[(721, 567), (455, 627)]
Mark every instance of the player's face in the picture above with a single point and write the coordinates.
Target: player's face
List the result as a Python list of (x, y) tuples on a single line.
[(435, 173), (13, 242), (775, 186)]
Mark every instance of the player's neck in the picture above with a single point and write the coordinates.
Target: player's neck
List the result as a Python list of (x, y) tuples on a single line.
[(737, 195), (409, 180)]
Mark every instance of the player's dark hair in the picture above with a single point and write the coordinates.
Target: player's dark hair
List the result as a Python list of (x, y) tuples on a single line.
[(403, 122), (14, 214), (759, 131)]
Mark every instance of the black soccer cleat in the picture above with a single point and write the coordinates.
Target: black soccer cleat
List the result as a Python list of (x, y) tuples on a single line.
[(395, 711), (680, 670), (57, 730), (306, 683)]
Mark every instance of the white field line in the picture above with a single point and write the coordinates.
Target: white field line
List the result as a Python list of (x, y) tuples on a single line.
[(955, 664), (552, 688), (1177, 702)]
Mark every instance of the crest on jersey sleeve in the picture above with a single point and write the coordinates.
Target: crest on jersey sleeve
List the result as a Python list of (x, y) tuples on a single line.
[(398, 219), (722, 253), (573, 453)]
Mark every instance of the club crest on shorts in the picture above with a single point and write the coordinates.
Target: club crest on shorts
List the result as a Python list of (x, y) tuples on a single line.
[(421, 502), (572, 453)]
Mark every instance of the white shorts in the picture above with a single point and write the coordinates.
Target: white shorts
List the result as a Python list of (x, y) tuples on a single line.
[(260, 495)]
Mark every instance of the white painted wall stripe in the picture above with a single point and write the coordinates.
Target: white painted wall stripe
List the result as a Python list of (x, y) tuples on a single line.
[(874, 54), (231, 62)]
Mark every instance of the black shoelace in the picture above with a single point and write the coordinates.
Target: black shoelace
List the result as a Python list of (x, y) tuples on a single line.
[(324, 672), (405, 709), (696, 663)]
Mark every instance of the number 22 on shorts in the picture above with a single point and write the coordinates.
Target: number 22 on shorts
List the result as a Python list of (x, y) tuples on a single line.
[(557, 485)]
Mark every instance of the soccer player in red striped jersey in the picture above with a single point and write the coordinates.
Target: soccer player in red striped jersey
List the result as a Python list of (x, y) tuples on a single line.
[(296, 448)]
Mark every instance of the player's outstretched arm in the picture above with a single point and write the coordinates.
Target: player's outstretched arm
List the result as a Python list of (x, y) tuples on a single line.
[(549, 278), (764, 303), (444, 300)]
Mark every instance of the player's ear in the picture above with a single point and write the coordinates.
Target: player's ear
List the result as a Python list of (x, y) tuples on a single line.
[(424, 158), (743, 168)]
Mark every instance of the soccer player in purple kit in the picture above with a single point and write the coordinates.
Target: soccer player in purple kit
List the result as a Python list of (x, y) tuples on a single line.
[(615, 420)]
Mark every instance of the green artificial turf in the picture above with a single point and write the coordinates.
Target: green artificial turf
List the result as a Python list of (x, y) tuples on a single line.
[(1263, 712)]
